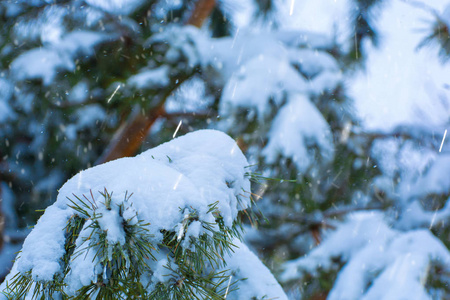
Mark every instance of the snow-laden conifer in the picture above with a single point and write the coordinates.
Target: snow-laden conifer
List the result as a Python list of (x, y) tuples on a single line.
[(162, 225)]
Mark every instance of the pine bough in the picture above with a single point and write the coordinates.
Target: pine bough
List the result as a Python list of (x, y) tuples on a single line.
[(161, 225)]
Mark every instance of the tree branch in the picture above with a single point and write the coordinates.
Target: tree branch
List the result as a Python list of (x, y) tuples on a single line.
[(175, 115), (201, 12), (130, 136)]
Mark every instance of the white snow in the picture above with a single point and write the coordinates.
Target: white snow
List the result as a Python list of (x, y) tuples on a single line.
[(161, 272), (186, 174), (380, 262), (312, 62), (80, 42), (325, 82), (48, 237), (190, 96), (230, 54), (304, 39), (45, 62), (117, 7), (41, 63), (47, 26), (260, 80), (186, 41), (410, 256), (85, 117), (79, 92), (258, 281), (111, 222), (84, 264), (260, 77), (296, 129), (415, 216), (320, 16), (435, 180), (400, 79), (151, 79)]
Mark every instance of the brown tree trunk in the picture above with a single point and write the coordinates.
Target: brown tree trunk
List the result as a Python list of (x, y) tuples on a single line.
[(201, 12), (130, 136)]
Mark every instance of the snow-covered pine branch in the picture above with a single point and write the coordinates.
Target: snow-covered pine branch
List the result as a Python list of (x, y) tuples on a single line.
[(162, 224), (373, 261)]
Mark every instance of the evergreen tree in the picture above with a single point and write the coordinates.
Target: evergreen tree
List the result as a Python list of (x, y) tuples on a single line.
[(103, 81)]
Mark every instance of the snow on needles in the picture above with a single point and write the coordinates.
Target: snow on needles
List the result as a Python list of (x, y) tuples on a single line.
[(151, 79), (189, 173), (44, 63), (258, 282), (117, 7), (379, 262), (261, 79), (298, 126)]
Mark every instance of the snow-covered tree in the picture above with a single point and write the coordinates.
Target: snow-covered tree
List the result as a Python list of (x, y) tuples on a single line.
[(400, 249), (95, 76), (103, 80)]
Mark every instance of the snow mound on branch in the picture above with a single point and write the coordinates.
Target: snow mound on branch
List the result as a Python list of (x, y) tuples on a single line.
[(117, 7), (151, 79), (257, 281), (187, 42), (80, 42), (435, 180), (269, 77), (296, 129), (257, 69), (41, 63), (380, 262), (45, 63), (191, 172), (313, 62), (415, 216), (261, 80), (229, 55)]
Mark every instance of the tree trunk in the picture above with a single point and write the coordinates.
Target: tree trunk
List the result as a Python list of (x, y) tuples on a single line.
[(130, 136), (201, 12)]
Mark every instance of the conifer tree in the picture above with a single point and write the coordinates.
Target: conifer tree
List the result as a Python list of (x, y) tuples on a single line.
[(103, 81)]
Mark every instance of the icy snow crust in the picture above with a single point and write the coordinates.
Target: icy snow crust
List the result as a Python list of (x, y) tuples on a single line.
[(192, 171)]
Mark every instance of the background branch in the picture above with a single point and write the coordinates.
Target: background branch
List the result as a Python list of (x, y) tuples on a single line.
[(130, 136)]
